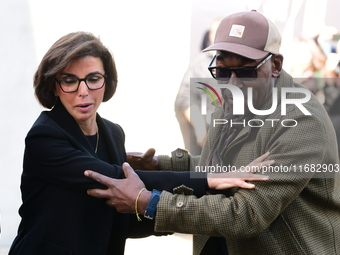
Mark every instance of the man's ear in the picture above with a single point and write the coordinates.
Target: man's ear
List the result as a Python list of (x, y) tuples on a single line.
[(277, 65)]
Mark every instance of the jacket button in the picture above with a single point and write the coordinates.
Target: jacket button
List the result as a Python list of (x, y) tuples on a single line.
[(179, 204), (179, 154)]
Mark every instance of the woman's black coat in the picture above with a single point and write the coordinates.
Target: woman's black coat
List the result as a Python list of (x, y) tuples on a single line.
[(58, 217)]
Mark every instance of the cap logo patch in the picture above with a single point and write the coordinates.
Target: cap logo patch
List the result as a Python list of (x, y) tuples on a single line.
[(237, 31)]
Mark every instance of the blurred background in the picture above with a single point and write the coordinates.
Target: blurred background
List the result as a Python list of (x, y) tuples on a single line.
[(153, 43)]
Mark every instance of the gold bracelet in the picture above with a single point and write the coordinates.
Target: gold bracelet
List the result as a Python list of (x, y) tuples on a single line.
[(136, 204)]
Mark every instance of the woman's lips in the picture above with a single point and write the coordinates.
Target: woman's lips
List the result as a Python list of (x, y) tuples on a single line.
[(83, 107)]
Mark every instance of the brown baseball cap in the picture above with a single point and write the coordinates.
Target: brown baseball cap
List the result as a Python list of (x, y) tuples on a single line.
[(249, 34)]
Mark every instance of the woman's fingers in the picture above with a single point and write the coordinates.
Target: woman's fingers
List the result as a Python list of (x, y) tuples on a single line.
[(261, 158), (241, 175)]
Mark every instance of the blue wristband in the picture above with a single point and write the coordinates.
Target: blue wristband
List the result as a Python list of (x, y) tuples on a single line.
[(152, 206)]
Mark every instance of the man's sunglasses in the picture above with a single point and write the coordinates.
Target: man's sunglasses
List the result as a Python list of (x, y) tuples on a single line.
[(245, 72)]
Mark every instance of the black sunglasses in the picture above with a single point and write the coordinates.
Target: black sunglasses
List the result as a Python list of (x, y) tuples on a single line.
[(245, 72)]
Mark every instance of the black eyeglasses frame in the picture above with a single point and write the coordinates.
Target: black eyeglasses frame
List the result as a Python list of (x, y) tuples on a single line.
[(80, 80), (237, 69)]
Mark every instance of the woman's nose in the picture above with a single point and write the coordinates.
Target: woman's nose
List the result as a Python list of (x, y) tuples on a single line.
[(83, 90)]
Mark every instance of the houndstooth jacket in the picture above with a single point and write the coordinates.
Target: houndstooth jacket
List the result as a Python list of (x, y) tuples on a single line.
[(294, 212)]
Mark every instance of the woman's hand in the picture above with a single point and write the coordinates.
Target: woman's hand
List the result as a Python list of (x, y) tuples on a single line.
[(241, 176)]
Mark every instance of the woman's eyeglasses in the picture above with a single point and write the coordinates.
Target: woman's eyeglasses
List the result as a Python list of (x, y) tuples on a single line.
[(245, 72), (70, 83)]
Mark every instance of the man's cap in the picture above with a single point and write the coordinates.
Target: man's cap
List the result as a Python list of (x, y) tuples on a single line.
[(249, 34)]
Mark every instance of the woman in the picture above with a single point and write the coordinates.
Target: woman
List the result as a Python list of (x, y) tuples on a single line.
[(74, 77)]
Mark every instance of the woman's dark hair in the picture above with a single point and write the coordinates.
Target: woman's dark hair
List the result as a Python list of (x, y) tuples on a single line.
[(67, 48)]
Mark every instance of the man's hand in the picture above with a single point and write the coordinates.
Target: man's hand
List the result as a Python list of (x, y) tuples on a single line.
[(146, 161), (239, 179), (121, 193)]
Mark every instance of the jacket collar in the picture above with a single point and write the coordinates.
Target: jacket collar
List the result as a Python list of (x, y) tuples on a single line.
[(284, 80), (65, 120)]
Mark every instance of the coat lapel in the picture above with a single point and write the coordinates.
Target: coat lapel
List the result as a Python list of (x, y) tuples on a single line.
[(283, 81), (62, 117)]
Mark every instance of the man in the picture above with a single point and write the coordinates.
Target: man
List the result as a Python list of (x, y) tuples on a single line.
[(298, 210)]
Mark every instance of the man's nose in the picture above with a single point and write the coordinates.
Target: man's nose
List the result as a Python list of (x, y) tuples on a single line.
[(234, 80)]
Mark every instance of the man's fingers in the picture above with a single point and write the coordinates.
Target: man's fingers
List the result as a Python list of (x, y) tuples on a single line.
[(127, 169), (98, 193), (149, 154), (98, 177)]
